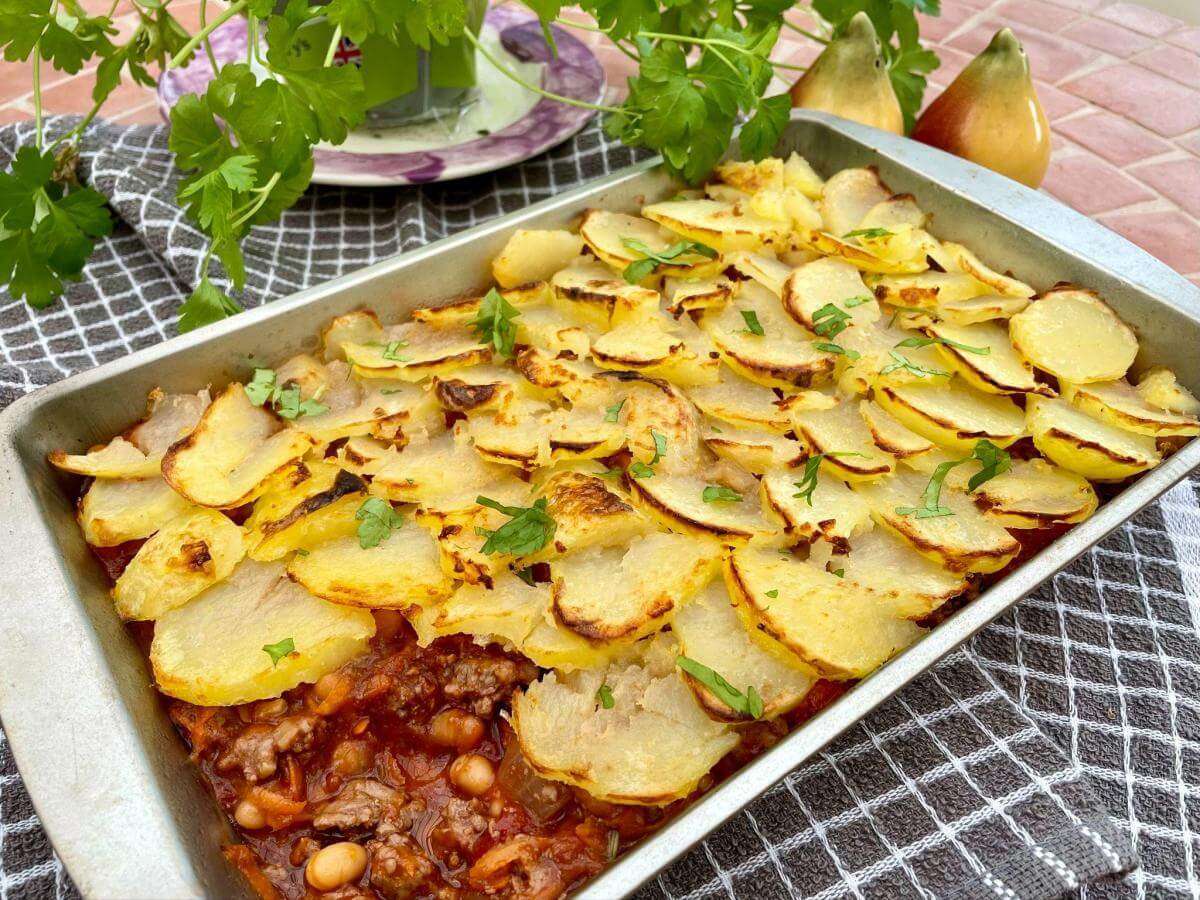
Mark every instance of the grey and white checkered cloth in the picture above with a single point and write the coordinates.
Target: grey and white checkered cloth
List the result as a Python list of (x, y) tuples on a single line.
[(1048, 756)]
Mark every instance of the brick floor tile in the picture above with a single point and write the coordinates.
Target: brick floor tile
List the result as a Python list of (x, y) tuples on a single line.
[(1107, 37), (1116, 139), (146, 114), (1174, 62), (1187, 38), (1171, 236), (938, 28), (1091, 185), (15, 80), (1139, 18), (9, 114), (1050, 57), (1082, 5), (1057, 103), (1036, 14), (977, 4), (1162, 105), (1191, 143), (1178, 180)]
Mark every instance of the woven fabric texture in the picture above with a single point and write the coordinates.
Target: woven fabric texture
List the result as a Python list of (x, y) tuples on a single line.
[(1040, 760)]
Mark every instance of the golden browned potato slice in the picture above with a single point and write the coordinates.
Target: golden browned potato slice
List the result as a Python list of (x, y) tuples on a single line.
[(591, 292), (359, 327), (722, 226), (401, 570), (677, 501), (116, 459), (457, 313), (1120, 404), (532, 255), (710, 632), (453, 525), (685, 295), (964, 541), (840, 634), (1075, 336), (1161, 389), (896, 212), (605, 234), (413, 351), (305, 504), (1035, 494), (213, 651), (903, 580), (444, 471), (799, 174), (478, 388), (554, 329), (741, 403), (355, 408), (518, 436), (505, 612), (755, 451), (815, 285), (982, 308), (848, 196), (782, 356), (588, 512), (362, 455), (183, 558), (765, 269), (752, 177), (637, 346), (651, 747), (904, 253), (984, 356), (788, 206), (835, 513), (953, 416), (624, 593), (849, 447), (1095, 449), (889, 434), (653, 406), (925, 290), (114, 511), (551, 371), (957, 258), (882, 361), (235, 448), (582, 433)]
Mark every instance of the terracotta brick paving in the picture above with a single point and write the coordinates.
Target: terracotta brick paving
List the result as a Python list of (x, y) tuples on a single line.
[(1120, 84)]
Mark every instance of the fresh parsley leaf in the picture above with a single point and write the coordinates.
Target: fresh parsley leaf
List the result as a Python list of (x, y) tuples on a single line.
[(612, 473), (993, 461), (758, 137), (611, 413), (289, 404), (279, 650), (830, 320), (773, 593), (808, 480), (869, 233), (261, 388), (376, 520), (604, 696), (528, 529), (840, 573), (926, 341), (851, 302), (660, 446), (718, 493), (830, 347), (638, 270), (640, 470), (494, 323), (749, 703), (526, 575), (752, 325), (903, 362), (652, 259), (392, 351), (206, 304)]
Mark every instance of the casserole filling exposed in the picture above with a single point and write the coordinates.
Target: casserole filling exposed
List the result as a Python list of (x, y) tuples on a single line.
[(467, 604)]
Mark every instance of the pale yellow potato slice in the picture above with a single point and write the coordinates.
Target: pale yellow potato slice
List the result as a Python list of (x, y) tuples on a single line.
[(534, 255), (783, 356), (116, 459), (1075, 336), (623, 593), (555, 329), (588, 511), (752, 177), (211, 651), (799, 174), (307, 503), (1095, 449), (654, 406), (362, 455), (815, 285), (401, 570), (362, 326), (956, 257), (651, 747), (235, 448), (183, 558), (114, 510), (741, 403), (444, 471), (1120, 404), (898, 211), (849, 447), (905, 252), (710, 632), (551, 371), (765, 269), (997, 370), (506, 612), (925, 290), (981, 308), (754, 450), (964, 541), (881, 361), (840, 634), (835, 514), (1160, 387), (458, 312), (903, 580), (677, 502), (582, 433), (788, 206), (355, 408), (722, 226), (460, 545), (848, 196), (715, 190), (418, 350), (605, 232), (685, 295), (1035, 494), (637, 346), (889, 434), (518, 436), (590, 291), (953, 416)]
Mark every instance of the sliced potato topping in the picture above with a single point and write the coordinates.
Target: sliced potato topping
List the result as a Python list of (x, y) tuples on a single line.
[(890, 435), (1075, 336), (114, 510), (832, 511), (589, 512), (1092, 447), (814, 286), (696, 504), (591, 292), (843, 437), (955, 257), (457, 314), (534, 255), (1120, 404), (1161, 388), (416, 350), (1036, 494), (609, 235), (896, 254), (722, 226), (444, 471), (925, 290), (848, 196), (983, 308), (954, 417), (752, 177), (753, 450), (359, 327), (685, 295), (799, 174), (984, 356), (742, 403), (909, 584), (303, 505)]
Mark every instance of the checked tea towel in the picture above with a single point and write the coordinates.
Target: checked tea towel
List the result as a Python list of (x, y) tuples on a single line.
[(1044, 759)]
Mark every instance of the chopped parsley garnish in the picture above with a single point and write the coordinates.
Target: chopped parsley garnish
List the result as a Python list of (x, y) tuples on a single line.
[(604, 695), (926, 341), (903, 362), (528, 529), (829, 347), (286, 401), (612, 412), (749, 702), (840, 573), (612, 473), (808, 481), (993, 461), (830, 320), (851, 302), (391, 351), (646, 470), (376, 519), (279, 650), (752, 324), (718, 493), (773, 593), (526, 575), (494, 323), (652, 259), (867, 233)]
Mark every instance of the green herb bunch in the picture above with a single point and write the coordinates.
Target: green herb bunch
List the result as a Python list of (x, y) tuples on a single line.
[(245, 147)]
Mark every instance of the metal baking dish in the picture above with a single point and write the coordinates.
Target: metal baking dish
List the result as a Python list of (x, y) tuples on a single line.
[(108, 774)]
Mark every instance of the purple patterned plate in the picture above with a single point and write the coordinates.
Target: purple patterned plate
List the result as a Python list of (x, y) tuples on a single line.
[(384, 157)]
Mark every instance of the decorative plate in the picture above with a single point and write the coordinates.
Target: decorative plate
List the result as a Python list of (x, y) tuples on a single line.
[(507, 125)]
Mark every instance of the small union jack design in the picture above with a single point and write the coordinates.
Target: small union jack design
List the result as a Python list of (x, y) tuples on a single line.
[(347, 52)]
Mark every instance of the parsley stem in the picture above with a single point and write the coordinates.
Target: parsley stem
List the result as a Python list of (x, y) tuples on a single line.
[(186, 51), (208, 50), (500, 67), (264, 193), (37, 94), (333, 45), (583, 26), (805, 32)]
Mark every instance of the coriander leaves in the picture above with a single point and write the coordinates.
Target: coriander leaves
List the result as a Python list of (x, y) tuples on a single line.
[(376, 521), (900, 361), (494, 323), (528, 530), (992, 461), (749, 703), (750, 317), (830, 320), (812, 466), (285, 400), (279, 650), (926, 341), (652, 259), (646, 470), (718, 493)]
